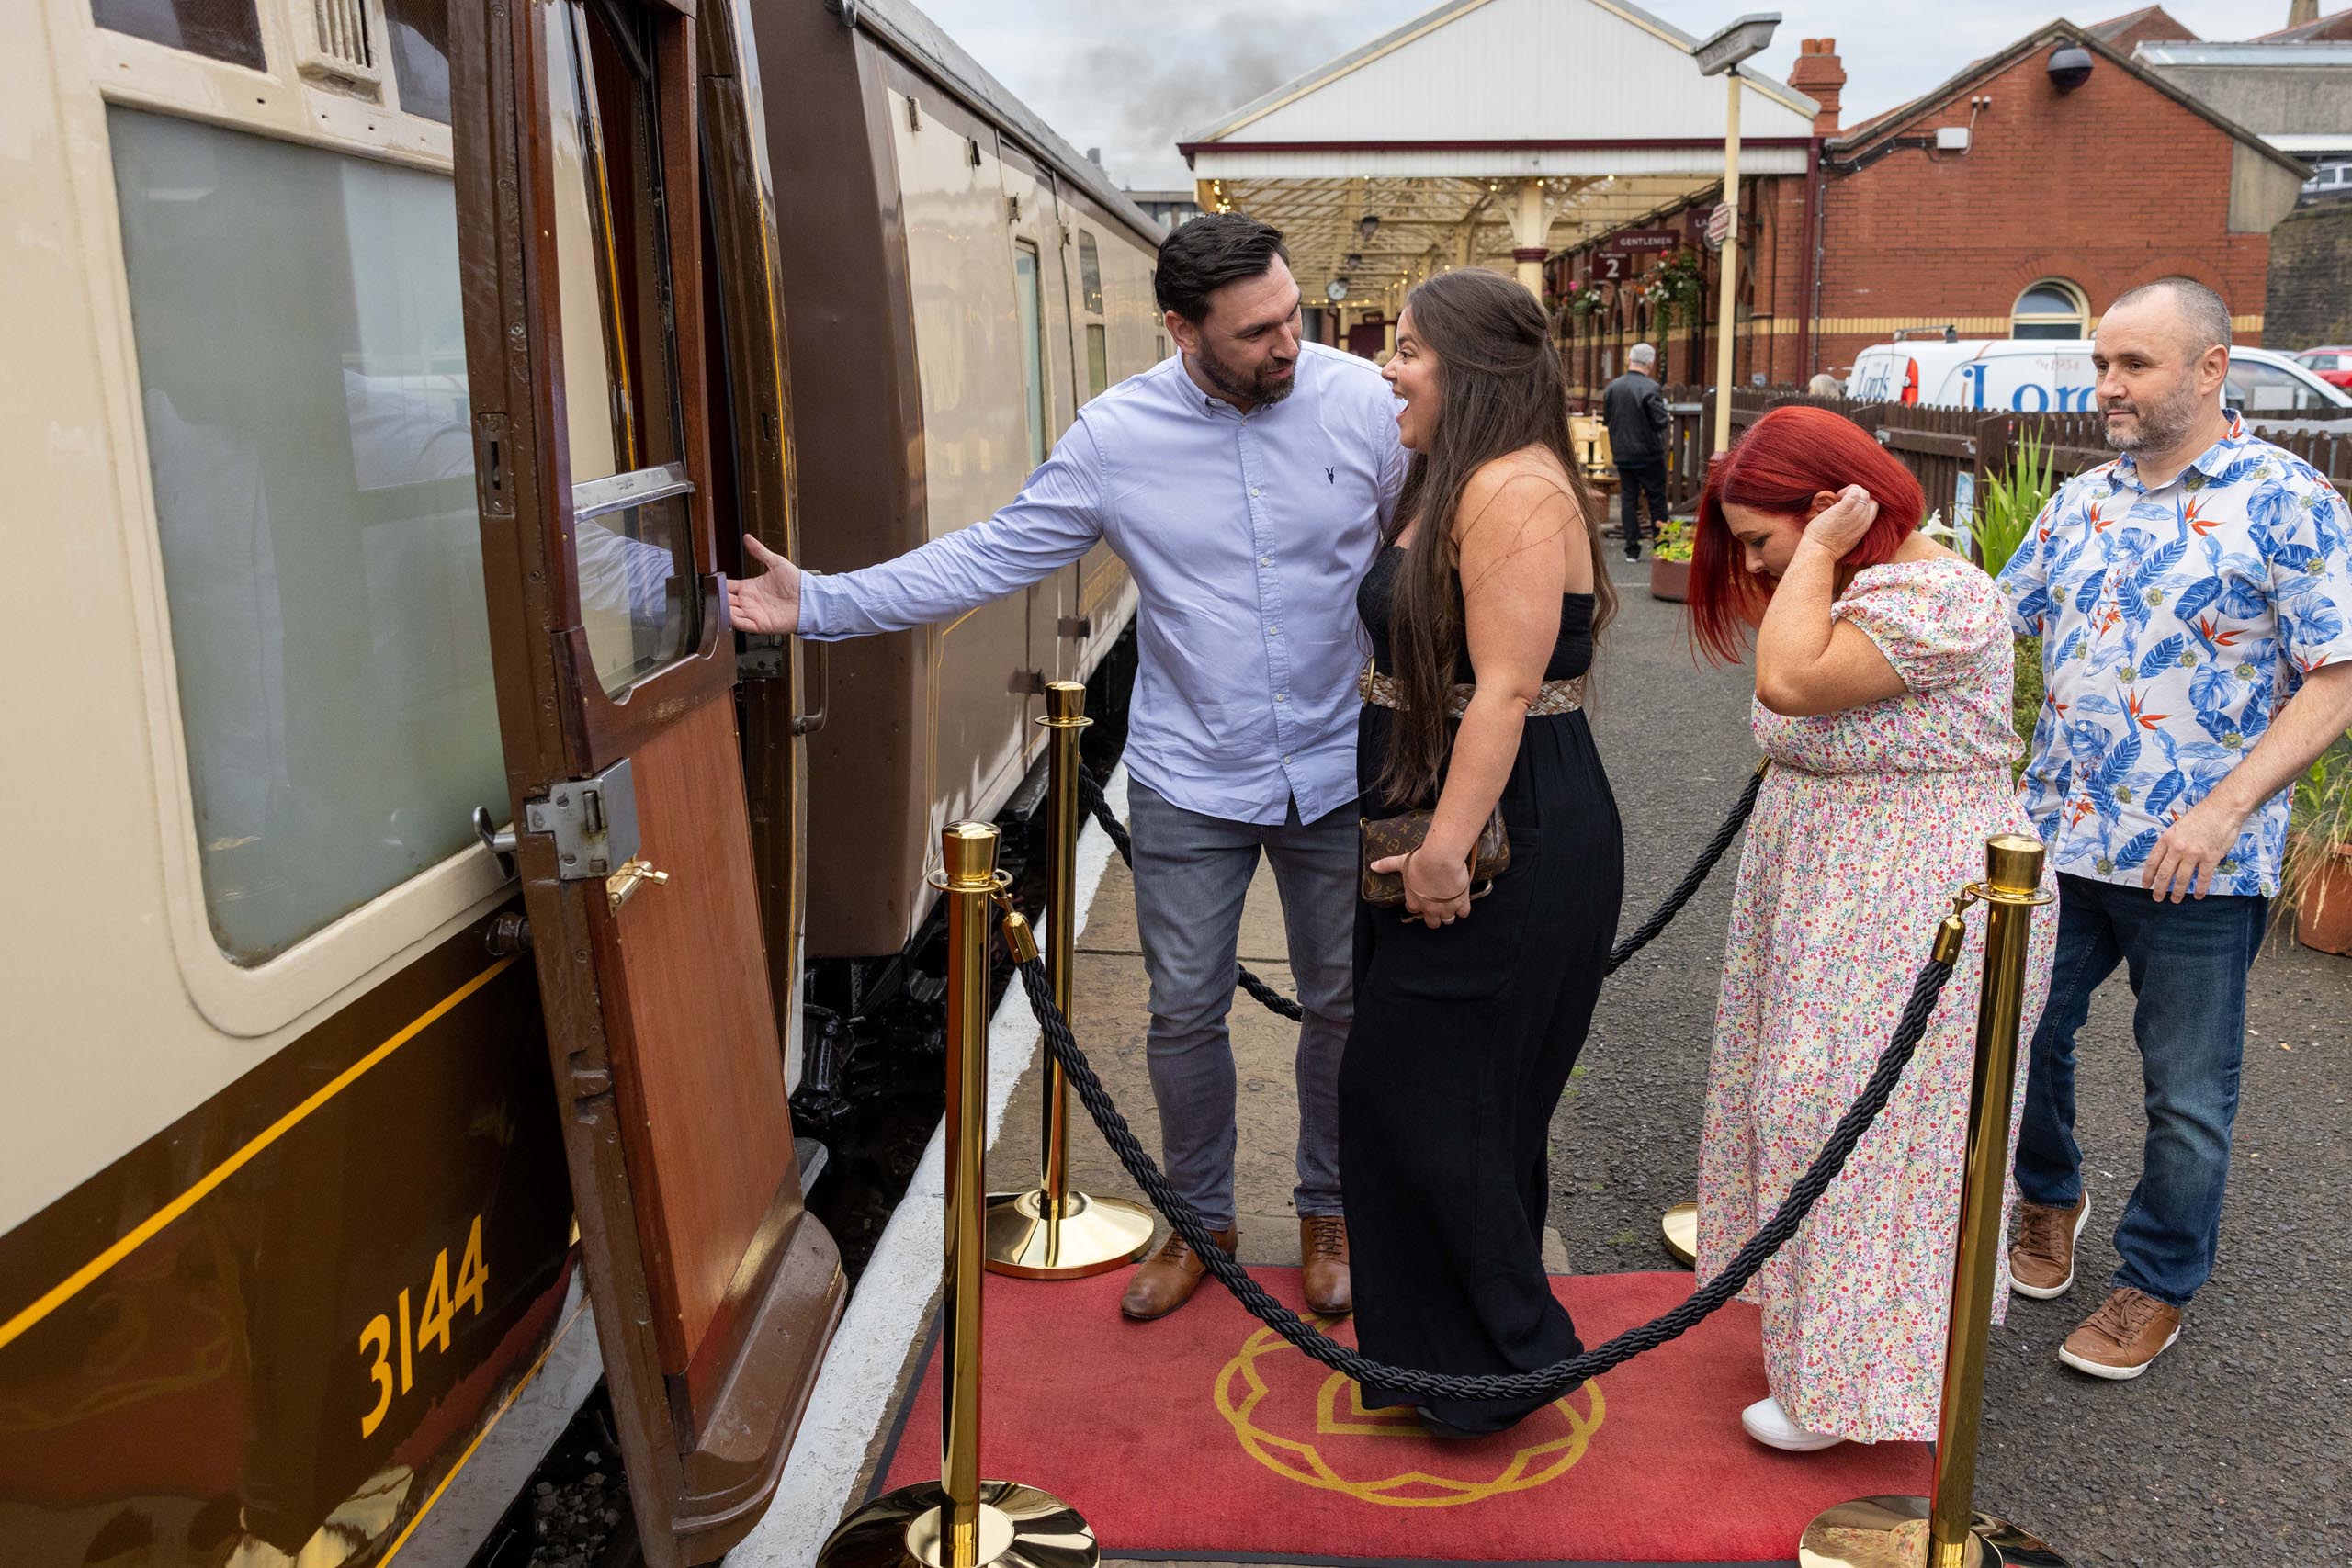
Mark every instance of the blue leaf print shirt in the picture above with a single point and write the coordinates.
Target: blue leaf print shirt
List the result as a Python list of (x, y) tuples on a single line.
[(2174, 621)]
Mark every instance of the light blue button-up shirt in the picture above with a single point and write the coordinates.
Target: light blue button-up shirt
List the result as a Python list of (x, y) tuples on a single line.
[(1247, 534)]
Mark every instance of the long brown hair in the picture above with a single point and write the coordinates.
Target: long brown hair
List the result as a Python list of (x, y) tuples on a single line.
[(1500, 390)]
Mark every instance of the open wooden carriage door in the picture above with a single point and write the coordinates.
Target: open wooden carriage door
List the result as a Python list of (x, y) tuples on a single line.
[(579, 235)]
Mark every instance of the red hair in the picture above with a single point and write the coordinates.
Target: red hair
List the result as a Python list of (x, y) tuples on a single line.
[(1785, 460)]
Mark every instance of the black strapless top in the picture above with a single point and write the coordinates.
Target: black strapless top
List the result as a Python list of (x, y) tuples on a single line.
[(1375, 601)]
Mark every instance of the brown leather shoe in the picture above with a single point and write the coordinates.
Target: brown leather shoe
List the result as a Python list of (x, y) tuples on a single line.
[(2041, 1255), (2130, 1329), (1168, 1280), (1323, 1264)]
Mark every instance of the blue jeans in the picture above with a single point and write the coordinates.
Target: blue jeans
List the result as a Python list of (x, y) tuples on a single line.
[(2188, 964), (1191, 875)]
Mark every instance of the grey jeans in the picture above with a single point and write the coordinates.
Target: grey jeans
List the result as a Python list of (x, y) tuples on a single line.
[(1192, 874)]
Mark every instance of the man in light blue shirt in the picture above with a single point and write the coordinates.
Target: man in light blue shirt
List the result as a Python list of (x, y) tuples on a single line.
[(1245, 482)]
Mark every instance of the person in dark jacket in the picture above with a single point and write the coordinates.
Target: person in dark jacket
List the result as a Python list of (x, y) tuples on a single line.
[(1635, 410)]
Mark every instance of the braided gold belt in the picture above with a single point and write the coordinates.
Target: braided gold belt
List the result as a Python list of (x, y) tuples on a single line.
[(1552, 697)]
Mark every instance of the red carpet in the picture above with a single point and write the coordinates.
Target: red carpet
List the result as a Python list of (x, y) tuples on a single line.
[(1204, 1436)]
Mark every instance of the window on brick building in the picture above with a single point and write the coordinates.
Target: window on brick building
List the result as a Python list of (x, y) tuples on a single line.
[(2052, 308)]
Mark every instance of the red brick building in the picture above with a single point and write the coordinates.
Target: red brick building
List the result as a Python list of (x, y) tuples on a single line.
[(2025, 191)]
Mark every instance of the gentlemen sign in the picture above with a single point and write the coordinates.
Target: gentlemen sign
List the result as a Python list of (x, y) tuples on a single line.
[(1623, 252)]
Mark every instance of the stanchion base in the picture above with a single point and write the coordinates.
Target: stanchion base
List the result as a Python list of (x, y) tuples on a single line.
[(1681, 1226), (1021, 1527), (1095, 1236), (1892, 1532)]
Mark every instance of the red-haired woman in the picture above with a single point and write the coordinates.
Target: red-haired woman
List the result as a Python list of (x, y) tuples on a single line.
[(1883, 694)]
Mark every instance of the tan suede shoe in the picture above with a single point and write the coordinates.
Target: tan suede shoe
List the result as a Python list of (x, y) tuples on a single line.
[(1168, 1280), (1323, 1264), (2042, 1257), (2130, 1329)]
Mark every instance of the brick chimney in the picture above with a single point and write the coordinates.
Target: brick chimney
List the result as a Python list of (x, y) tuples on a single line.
[(1819, 75)]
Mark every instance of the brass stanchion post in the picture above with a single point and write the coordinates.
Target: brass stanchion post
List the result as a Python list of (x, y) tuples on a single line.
[(960, 1520), (1947, 1531), (1679, 1226), (1050, 1232)]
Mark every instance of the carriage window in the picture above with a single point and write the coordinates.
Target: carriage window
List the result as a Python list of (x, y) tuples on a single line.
[(303, 376), (223, 29), (1090, 272), (1098, 359), (419, 34), (1030, 306), (631, 532)]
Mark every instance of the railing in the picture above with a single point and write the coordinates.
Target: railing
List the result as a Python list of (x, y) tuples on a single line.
[(1941, 445)]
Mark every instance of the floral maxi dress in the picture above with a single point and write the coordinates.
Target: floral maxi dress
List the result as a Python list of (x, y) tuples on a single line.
[(1868, 823)]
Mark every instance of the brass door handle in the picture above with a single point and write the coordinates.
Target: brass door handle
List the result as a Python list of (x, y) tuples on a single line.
[(634, 874)]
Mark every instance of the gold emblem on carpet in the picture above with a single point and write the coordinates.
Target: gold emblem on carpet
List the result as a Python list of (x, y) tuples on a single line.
[(1310, 1425)]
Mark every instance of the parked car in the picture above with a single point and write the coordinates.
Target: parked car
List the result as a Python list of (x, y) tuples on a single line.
[(2332, 365), (2053, 375)]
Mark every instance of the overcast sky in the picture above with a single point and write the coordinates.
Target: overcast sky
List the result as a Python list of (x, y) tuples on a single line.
[(1130, 75)]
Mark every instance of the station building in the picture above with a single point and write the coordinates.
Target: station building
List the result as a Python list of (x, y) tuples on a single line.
[(2014, 199)]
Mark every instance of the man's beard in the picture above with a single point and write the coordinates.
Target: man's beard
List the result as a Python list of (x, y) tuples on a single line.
[(2162, 425), (1255, 390)]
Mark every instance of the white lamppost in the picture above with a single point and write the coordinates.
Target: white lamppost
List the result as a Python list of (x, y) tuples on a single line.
[(1721, 54)]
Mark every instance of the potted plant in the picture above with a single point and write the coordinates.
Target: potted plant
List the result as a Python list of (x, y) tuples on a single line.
[(2317, 879), (1670, 562)]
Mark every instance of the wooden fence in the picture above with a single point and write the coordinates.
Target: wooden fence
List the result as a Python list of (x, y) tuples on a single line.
[(1952, 451)]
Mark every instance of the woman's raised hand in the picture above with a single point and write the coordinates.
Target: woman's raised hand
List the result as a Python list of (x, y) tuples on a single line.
[(1433, 894), (1841, 525)]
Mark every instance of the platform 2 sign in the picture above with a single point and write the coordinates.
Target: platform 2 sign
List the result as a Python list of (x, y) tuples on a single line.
[(1625, 253)]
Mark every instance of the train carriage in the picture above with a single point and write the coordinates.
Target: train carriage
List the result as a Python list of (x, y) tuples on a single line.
[(387, 387)]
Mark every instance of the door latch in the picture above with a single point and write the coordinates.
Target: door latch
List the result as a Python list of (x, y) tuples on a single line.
[(593, 821)]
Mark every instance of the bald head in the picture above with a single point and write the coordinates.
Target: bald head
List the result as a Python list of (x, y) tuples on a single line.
[(2193, 310), (2162, 353)]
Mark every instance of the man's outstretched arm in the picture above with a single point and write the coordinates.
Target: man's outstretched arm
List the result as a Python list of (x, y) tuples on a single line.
[(1056, 519)]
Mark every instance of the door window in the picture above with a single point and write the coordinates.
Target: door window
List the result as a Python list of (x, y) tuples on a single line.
[(1098, 359), (221, 30), (631, 536), (1029, 302), (302, 378), (419, 33)]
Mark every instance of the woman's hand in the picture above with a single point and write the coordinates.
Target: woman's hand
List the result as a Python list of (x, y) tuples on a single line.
[(1438, 895), (1841, 525)]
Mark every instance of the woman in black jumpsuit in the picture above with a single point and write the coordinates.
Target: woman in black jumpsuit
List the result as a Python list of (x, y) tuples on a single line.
[(1466, 1030)]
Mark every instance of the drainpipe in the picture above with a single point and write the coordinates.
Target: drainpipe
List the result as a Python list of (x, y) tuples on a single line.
[(1809, 281)]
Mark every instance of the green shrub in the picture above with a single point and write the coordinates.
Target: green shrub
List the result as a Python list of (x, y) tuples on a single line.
[(2013, 500), (1673, 539), (2025, 700)]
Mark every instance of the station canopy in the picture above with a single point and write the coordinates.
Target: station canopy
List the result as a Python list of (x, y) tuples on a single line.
[(1485, 132)]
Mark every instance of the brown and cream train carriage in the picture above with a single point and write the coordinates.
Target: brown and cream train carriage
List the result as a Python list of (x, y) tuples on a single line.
[(386, 383)]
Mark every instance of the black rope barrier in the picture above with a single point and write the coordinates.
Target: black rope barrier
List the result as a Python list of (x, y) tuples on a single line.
[(1544, 1382), (1643, 934)]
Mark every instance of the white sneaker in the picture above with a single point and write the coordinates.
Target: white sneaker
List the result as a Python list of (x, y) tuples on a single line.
[(1769, 1424)]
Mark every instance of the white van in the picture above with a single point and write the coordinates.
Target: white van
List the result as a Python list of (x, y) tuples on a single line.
[(2055, 375)]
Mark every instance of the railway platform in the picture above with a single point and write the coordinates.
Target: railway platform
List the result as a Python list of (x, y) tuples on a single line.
[(2088, 1466)]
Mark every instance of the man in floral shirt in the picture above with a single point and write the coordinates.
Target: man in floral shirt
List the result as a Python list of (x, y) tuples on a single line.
[(2194, 599)]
